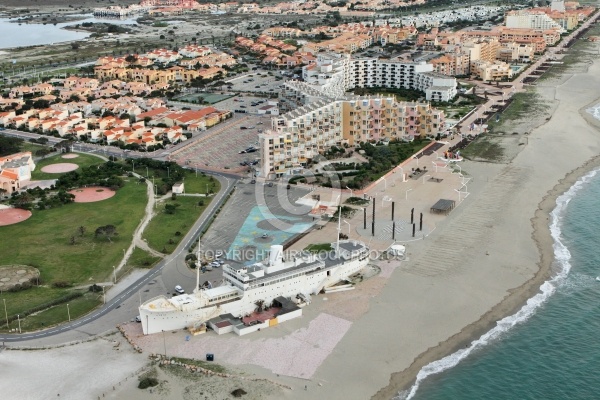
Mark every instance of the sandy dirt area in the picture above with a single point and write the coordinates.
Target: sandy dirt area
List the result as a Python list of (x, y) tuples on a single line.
[(92, 194), (70, 156), (59, 168), (76, 372), (9, 216)]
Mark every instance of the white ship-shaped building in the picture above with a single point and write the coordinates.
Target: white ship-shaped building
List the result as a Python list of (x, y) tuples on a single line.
[(270, 282)]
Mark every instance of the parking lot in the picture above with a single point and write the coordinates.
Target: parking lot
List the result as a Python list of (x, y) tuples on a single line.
[(257, 81), (221, 148), (244, 102)]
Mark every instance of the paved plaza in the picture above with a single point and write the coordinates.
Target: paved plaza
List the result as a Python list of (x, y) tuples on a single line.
[(256, 217)]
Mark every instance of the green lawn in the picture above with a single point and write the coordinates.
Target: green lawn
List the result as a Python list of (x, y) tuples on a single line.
[(19, 302), (317, 247), (199, 184), (84, 160), (142, 259), (161, 232), (32, 147), (43, 241), (58, 314)]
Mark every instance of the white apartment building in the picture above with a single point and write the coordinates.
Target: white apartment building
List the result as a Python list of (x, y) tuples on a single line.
[(531, 20), (333, 74)]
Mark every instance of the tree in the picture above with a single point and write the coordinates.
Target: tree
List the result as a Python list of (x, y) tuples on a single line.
[(170, 208), (131, 58), (9, 145), (106, 231)]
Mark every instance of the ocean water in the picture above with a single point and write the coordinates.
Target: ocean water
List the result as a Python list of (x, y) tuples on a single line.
[(550, 349)]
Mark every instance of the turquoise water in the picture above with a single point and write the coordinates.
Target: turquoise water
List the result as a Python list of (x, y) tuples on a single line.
[(550, 349)]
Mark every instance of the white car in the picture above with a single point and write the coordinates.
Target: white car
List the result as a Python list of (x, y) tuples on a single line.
[(179, 289)]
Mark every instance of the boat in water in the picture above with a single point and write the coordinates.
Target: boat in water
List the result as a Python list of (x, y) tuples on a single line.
[(272, 282)]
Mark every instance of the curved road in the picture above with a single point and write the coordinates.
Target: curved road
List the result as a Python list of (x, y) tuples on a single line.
[(166, 265)]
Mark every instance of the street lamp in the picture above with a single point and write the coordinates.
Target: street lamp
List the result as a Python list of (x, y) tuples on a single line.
[(349, 190), (19, 321), (424, 178), (459, 192), (68, 312), (384, 183), (416, 158), (164, 343), (402, 172), (114, 274), (5, 312), (348, 228), (406, 194), (147, 174), (168, 173)]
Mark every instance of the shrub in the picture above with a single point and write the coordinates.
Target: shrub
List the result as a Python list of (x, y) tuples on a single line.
[(147, 382), (61, 284), (238, 393), (95, 288)]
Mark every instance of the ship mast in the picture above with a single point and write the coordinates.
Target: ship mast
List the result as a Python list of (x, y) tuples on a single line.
[(198, 266), (339, 229)]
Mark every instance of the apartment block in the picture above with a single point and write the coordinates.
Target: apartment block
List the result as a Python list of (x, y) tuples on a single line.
[(531, 19), (298, 136), (491, 71), (334, 74)]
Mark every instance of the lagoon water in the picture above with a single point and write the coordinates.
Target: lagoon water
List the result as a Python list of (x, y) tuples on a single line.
[(14, 35), (549, 349)]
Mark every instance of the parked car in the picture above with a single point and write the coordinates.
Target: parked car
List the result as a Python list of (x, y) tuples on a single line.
[(138, 319), (243, 127), (179, 289)]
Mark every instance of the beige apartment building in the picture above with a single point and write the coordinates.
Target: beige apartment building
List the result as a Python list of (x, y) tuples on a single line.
[(298, 136)]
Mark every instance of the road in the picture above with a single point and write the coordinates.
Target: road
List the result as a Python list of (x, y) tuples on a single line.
[(165, 266)]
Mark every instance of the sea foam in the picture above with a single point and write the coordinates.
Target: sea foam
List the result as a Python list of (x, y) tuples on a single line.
[(562, 263)]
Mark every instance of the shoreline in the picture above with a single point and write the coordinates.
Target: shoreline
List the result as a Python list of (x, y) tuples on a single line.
[(511, 303), (517, 298)]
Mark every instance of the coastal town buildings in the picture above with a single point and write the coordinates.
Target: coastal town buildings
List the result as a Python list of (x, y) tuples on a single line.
[(15, 172)]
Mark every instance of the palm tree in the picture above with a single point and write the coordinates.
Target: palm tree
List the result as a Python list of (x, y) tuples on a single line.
[(260, 304)]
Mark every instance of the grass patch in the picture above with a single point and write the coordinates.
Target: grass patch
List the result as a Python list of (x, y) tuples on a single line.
[(357, 201), (59, 314), (44, 240), (523, 106), (482, 148), (32, 147), (83, 161), (202, 364), (318, 247), (142, 259), (199, 184), (161, 232)]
